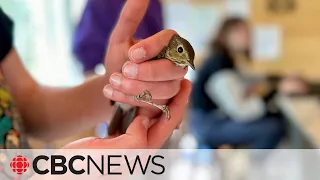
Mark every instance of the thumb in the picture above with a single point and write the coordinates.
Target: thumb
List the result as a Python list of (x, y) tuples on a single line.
[(138, 129)]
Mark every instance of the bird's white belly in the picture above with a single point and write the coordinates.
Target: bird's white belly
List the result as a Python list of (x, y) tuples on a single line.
[(125, 107)]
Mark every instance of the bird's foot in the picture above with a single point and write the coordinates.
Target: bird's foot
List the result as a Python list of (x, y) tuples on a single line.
[(146, 97), (165, 109)]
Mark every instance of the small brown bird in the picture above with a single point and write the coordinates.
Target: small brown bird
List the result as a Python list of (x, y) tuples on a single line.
[(181, 53)]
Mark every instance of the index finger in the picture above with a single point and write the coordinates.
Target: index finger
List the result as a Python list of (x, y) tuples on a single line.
[(130, 18), (151, 46)]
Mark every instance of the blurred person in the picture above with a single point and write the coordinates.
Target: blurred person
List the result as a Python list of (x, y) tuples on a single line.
[(227, 105), (49, 113), (98, 19)]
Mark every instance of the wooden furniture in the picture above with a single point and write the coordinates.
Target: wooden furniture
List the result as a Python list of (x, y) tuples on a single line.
[(303, 115)]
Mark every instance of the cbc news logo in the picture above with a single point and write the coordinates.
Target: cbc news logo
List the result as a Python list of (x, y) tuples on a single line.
[(19, 164)]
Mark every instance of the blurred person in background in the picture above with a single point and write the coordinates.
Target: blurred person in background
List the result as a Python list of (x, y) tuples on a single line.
[(228, 106), (97, 22)]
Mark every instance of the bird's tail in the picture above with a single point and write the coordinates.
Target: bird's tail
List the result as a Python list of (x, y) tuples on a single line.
[(121, 120)]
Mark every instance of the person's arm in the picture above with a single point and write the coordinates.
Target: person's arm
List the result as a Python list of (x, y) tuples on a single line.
[(49, 112), (55, 112), (227, 90)]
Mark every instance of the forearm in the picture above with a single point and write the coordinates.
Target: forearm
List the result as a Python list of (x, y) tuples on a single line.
[(55, 113)]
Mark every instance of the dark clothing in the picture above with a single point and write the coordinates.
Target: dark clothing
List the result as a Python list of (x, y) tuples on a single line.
[(215, 63), (98, 20), (6, 37), (215, 128), (264, 133)]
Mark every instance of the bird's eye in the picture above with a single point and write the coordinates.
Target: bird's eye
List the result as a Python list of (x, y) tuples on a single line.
[(180, 49)]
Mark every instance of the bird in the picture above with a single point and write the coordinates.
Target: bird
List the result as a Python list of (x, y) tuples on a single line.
[(180, 52)]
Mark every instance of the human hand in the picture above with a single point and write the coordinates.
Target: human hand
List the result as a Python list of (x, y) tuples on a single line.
[(293, 84), (161, 77), (142, 134)]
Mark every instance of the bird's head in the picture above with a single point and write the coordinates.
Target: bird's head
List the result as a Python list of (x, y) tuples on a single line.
[(180, 52)]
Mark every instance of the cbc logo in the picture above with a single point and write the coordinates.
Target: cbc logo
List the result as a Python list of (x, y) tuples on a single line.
[(19, 165)]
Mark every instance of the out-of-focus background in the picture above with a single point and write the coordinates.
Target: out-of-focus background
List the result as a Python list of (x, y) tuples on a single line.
[(285, 38)]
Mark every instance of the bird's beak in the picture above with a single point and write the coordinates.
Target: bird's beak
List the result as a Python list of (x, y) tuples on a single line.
[(192, 66)]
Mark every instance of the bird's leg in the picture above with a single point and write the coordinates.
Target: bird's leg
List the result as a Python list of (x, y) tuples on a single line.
[(146, 97)]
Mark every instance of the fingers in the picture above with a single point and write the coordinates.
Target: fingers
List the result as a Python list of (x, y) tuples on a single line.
[(163, 128), (135, 138), (151, 111), (150, 47), (159, 90), (130, 18), (86, 143), (158, 70), (121, 97), (138, 131)]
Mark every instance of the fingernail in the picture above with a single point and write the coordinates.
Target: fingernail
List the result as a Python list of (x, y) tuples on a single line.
[(107, 90), (130, 69), (115, 80), (145, 123), (137, 54)]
